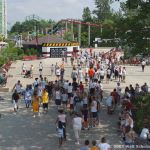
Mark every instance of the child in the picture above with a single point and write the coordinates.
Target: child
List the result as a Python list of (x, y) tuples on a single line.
[(94, 147), (60, 133)]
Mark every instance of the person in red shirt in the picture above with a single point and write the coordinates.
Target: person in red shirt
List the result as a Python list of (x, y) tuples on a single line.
[(114, 94), (81, 87), (91, 72)]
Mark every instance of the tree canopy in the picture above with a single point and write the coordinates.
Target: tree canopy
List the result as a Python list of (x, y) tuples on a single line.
[(129, 27)]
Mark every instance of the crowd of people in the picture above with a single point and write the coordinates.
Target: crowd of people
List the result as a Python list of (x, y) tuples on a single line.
[(80, 98)]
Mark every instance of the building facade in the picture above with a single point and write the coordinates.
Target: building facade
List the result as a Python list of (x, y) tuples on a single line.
[(57, 50), (3, 18)]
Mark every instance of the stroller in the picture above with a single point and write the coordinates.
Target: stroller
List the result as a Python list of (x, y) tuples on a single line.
[(27, 74)]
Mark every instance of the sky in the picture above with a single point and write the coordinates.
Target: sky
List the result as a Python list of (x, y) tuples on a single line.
[(48, 9)]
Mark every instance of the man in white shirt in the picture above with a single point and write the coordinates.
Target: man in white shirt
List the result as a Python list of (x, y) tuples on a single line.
[(143, 65), (103, 145)]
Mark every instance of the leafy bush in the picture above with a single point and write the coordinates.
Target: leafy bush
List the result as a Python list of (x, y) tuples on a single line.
[(13, 53), (31, 51), (142, 114)]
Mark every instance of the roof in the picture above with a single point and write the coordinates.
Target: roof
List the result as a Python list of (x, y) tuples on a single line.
[(45, 39)]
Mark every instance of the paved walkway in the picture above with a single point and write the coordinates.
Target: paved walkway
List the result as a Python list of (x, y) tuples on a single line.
[(23, 132)]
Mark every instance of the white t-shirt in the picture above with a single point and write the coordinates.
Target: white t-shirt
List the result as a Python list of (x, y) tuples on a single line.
[(71, 100), (62, 118), (58, 96), (107, 61), (40, 66), (66, 85), (94, 106), (23, 67), (144, 133), (58, 72), (64, 97), (18, 88), (92, 85), (69, 89), (123, 72), (102, 72), (77, 122), (143, 63), (85, 100), (108, 71), (109, 101), (104, 146), (118, 90)]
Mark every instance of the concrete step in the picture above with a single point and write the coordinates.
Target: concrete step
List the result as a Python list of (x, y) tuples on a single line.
[(3, 89)]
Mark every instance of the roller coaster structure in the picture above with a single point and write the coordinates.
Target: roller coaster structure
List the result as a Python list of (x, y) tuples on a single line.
[(79, 23)]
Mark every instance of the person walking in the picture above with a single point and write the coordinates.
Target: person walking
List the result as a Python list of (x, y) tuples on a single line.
[(143, 65), (60, 132), (40, 68), (31, 71), (24, 69), (15, 99), (18, 87), (77, 125), (28, 96), (35, 104), (45, 100), (57, 97), (63, 119), (52, 69)]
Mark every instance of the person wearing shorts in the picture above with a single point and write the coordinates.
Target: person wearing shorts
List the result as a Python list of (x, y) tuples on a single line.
[(58, 97)]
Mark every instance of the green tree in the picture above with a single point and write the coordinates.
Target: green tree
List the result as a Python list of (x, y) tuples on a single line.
[(84, 39), (135, 29), (68, 36), (103, 9), (86, 17), (1, 37)]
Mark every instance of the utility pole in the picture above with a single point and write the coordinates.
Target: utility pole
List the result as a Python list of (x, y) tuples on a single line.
[(79, 34), (89, 34), (66, 26), (72, 31)]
